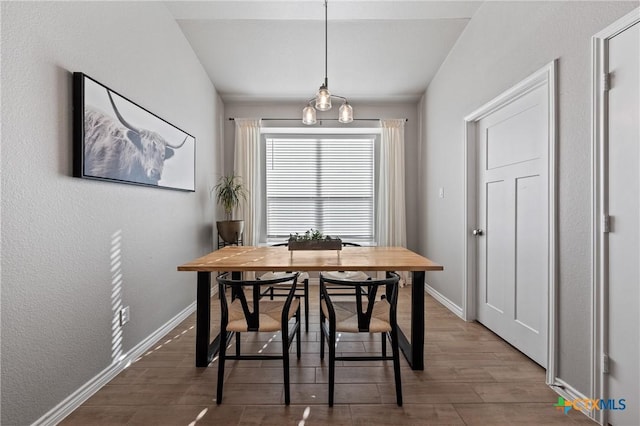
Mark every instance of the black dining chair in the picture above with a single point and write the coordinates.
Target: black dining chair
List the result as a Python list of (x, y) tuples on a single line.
[(360, 312), (255, 313), (282, 290)]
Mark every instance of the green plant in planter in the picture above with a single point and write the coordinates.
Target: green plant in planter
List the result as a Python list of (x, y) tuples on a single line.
[(313, 239), (229, 190), (310, 235)]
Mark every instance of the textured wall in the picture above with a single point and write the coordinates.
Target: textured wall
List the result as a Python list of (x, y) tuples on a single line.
[(59, 232), (503, 44), (361, 110)]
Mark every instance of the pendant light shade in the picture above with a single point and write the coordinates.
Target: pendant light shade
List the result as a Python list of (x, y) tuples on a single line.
[(323, 97), (345, 113), (309, 115)]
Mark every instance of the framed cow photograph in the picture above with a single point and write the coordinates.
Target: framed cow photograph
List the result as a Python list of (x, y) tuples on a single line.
[(116, 140)]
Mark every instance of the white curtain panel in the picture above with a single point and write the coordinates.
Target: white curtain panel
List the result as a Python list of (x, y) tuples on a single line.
[(392, 220), (248, 167)]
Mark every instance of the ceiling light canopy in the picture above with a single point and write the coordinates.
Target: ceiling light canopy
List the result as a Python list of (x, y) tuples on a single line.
[(322, 100)]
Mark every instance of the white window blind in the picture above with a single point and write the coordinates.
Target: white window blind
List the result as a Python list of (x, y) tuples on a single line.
[(323, 182)]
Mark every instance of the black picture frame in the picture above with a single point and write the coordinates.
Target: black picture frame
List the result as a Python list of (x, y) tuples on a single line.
[(117, 140)]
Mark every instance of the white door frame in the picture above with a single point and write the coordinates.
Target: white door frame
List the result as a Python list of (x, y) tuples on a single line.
[(599, 141), (546, 75)]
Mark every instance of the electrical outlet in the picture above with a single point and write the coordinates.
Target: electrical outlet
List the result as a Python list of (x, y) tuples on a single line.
[(124, 315)]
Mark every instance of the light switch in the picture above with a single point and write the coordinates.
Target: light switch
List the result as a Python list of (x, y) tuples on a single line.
[(441, 192)]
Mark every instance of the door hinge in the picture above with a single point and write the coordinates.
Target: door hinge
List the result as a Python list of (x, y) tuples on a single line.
[(605, 364), (606, 82), (606, 223)]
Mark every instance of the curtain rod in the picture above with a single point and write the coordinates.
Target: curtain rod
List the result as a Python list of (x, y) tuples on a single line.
[(320, 119)]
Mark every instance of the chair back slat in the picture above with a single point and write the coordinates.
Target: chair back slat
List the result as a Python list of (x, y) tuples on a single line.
[(252, 316), (364, 317)]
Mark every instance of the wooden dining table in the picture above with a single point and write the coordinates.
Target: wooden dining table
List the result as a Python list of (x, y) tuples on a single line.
[(238, 259)]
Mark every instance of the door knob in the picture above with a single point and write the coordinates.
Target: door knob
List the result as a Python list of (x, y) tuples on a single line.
[(477, 232)]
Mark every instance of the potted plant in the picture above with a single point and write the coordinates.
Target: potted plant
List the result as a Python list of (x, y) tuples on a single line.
[(229, 190), (313, 239)]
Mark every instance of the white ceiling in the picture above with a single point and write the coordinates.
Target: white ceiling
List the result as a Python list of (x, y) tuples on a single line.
[(274, 50)]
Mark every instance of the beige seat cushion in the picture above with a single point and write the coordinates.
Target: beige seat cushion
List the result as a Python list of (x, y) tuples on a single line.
[(346, 275), (274, 275), (347, 317), (270, 315)]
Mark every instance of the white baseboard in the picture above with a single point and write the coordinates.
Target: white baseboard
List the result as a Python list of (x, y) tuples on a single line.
[(443, 300), (73, 401)]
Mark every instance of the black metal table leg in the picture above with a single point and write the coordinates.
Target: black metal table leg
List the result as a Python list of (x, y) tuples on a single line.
[(203, 320), (414, 350), (205, 349)]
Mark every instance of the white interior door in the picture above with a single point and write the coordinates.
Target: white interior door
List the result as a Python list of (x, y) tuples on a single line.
[(624, 236), (512, 245)]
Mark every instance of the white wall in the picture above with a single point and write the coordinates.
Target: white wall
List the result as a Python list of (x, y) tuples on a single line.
[(503, 44), (58, 231), (361, 110)]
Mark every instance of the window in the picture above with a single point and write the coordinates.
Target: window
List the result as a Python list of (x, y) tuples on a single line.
[(324, 182)]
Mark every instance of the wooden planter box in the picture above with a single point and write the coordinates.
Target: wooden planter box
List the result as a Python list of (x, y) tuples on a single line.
[(334, 244)]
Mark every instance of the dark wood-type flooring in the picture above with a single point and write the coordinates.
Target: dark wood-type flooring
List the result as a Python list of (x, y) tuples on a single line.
[(471, 377)]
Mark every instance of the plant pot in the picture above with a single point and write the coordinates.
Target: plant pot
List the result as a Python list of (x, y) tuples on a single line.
[(334, 244), (230, 230)]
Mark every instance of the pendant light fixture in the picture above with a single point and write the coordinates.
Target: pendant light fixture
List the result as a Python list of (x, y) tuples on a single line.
[(322, 100)]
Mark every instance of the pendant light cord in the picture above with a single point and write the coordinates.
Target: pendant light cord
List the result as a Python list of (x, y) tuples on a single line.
[(326, 48)]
